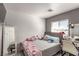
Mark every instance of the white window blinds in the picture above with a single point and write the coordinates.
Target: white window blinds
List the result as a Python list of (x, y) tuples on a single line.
[(60, 26)]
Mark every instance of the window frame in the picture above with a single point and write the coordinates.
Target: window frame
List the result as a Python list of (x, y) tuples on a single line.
[(59, 21)]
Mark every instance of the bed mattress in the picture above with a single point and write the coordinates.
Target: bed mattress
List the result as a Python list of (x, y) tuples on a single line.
[(48, 49)]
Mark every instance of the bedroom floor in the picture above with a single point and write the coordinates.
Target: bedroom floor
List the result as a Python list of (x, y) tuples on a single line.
[(22, 54), (58, 54)]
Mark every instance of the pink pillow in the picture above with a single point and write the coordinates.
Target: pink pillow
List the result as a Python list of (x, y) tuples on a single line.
[(45, 37), (31, 38), (39, 37)]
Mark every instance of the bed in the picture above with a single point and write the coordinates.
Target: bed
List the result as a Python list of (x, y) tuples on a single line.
[(48, 49)]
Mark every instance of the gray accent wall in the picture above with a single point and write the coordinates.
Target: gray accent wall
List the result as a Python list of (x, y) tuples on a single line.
[(73, 16), (2, 12), (0, 37), (2, 18)]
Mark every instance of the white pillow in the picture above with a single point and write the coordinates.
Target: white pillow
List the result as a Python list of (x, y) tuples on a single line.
[(55, 39)]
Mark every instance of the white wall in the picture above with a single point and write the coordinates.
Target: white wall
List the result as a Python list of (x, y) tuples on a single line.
[(25, 25)]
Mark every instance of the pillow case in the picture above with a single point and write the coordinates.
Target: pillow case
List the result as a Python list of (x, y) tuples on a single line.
[(50, 41), (53, 39)]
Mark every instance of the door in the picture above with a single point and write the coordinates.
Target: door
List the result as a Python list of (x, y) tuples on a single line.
[(9, 37)]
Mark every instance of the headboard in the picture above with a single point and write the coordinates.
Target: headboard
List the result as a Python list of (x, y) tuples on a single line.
[(56, 35)]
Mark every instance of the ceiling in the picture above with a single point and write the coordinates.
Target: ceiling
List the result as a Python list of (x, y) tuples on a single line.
[(41, 9)]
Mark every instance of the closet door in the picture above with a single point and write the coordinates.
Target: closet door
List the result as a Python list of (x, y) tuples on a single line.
[(9, 37), (0, 37)]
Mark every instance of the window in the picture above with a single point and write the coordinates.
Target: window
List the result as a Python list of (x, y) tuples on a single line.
[(60, 26)]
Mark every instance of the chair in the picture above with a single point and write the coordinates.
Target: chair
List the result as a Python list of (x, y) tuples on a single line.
[(68, 47)]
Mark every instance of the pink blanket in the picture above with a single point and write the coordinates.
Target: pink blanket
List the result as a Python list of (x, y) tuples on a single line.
[(31, 48)]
